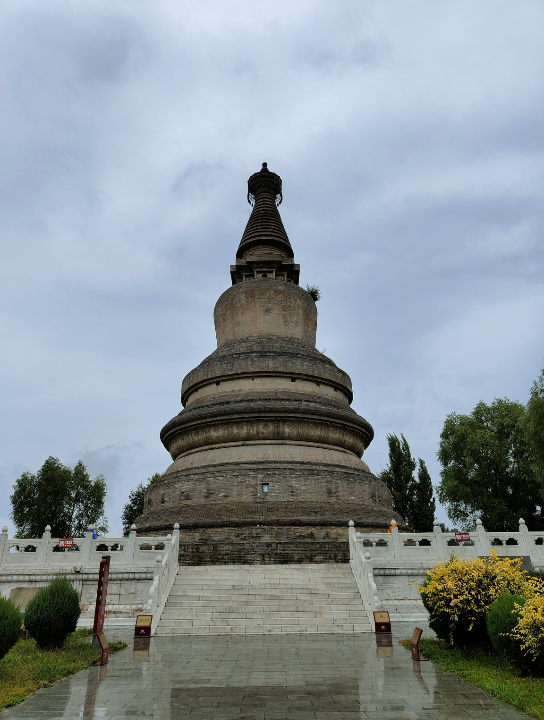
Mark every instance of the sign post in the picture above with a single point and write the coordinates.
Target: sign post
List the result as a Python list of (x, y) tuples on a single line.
[(143, 626), (382, 623), (414, 643), (99, 639)]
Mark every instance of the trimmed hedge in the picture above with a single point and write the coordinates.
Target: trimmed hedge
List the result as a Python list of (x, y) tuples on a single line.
[(11, 621), (53, 613)]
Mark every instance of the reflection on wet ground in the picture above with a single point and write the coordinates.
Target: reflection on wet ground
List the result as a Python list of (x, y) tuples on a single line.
[(263, 677)]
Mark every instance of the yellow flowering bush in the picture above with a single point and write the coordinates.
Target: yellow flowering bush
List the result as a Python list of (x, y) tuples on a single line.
[(533, 586), (459, 592), (529, 631)]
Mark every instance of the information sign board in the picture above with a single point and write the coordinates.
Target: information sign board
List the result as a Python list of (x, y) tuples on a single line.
[(66, 543), (143, 626), (462, 537), (382, 623)]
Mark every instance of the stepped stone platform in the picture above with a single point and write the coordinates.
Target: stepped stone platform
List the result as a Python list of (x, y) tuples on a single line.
[(261, 600)]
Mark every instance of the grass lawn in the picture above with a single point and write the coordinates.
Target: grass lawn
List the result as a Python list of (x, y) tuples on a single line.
[(488, 671), (25, 669)]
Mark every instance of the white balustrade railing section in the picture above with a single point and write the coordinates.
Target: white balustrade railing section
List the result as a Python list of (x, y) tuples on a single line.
[(405, 558), (34, 561), (45, 552), (167, 568), (363, 571), (431, 547)]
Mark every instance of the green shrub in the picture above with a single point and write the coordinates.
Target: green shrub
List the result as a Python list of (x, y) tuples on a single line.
[(11, 620), (53, 613), (502, 618)]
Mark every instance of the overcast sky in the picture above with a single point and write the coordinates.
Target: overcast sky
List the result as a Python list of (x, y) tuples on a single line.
[(409, 137)]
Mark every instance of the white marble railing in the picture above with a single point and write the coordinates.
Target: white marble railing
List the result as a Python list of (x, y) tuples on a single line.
[(44, 552), (142, 569), (167, 568), (432, 547), (388, 567)]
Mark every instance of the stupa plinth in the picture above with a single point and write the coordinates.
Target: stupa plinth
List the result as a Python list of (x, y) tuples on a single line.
[(267, 450)]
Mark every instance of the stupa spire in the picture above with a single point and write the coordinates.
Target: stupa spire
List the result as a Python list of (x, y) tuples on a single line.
[(264, 250)]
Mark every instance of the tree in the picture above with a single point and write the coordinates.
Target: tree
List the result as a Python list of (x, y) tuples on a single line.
[(66, 499), (534, 428), (135, 506), (399, 476), (488, 468), (423, 505), (412, 499)]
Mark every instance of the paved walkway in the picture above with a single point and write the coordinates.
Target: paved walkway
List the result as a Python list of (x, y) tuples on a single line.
[(261, 677)]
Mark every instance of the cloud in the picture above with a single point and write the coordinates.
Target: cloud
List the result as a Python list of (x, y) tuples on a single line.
[(409, 142)]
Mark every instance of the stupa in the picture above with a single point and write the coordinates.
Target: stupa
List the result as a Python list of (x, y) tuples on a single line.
[(267, 450)]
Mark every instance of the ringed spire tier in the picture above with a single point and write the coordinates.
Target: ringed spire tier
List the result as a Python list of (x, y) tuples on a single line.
[(267, 452), (264, 250)]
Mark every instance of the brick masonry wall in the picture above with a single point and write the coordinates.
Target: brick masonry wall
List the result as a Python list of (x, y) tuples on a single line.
[(317, 484), (263, 545)]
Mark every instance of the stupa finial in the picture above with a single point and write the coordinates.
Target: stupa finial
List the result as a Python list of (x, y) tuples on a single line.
[(264, 181), (264, 250)]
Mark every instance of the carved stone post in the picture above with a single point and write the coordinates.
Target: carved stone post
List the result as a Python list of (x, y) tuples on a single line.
[(86, 546), (524, 540), (42, 556), (439, 541), (483, 546), (396, 541), (3, 543), (130, 546)]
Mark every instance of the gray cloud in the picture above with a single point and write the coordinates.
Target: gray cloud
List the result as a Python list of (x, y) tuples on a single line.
[(408, 137)]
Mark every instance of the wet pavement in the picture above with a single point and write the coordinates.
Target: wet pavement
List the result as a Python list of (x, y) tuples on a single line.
[(263, 677)]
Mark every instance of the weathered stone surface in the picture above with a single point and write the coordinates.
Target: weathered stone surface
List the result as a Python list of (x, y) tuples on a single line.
[(268, 308), (267, 450)]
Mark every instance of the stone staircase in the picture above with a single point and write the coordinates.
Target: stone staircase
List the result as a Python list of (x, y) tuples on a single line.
[(262, 599)]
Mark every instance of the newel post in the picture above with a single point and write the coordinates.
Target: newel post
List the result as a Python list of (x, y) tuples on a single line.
[(3, 543), (43, 550), (175, 542), (86, 546), (396, 541), (483, 545), (131, 545), (524, 541), (440, 543)]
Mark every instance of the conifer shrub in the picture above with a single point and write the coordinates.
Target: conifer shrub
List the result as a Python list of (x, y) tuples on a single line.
[(459, 592), (53, 613), (11, 621), (501, 620)]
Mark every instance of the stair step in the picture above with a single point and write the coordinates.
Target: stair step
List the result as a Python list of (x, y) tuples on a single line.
[(263, 599)]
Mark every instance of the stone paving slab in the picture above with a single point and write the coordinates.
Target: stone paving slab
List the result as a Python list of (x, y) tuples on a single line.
[(260, 677)]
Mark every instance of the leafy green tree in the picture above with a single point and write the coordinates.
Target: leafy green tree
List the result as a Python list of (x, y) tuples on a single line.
[(534, 428), (423, 504), (66, 499), (488, 468), (399, 476), (135, 506), (412, 499)]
